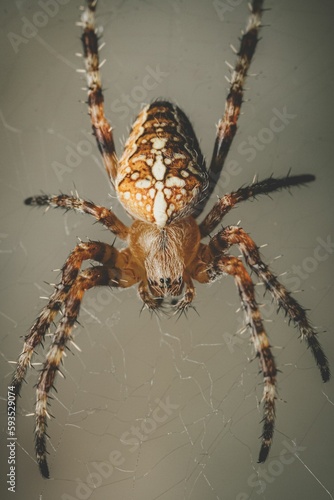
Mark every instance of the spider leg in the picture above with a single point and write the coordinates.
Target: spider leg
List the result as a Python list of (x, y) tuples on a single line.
[(101, 214), (100, 252), (227, 125), (208, 268), (101, 128), (89, 278), (233, 235), (227, 202), (115, 271)]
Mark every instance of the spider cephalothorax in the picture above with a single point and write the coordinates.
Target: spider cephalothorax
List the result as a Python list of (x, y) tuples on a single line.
[(162, 182), (167, 254)]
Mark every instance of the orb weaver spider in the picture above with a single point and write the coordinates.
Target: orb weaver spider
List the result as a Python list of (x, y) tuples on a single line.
[(162, 182)]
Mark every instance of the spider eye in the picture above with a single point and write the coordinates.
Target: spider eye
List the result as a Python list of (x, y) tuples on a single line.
[(165, 282)]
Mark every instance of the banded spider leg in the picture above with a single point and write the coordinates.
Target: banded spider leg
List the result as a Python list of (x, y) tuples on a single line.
[(68, 295), (227, 125), (214, 261)]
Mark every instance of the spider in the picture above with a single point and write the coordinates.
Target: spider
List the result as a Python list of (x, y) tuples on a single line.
[(162, 182)]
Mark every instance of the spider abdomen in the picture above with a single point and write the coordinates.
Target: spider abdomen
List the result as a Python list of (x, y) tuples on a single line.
[(162, 173)]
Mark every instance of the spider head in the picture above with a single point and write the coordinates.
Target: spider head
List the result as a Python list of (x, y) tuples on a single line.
[(164, 264), (165, 253)]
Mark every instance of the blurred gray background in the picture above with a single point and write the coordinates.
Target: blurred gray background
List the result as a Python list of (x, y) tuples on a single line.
[(204, 445)]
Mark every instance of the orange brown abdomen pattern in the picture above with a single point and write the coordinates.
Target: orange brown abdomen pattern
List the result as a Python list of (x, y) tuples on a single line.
[(162, 173)]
